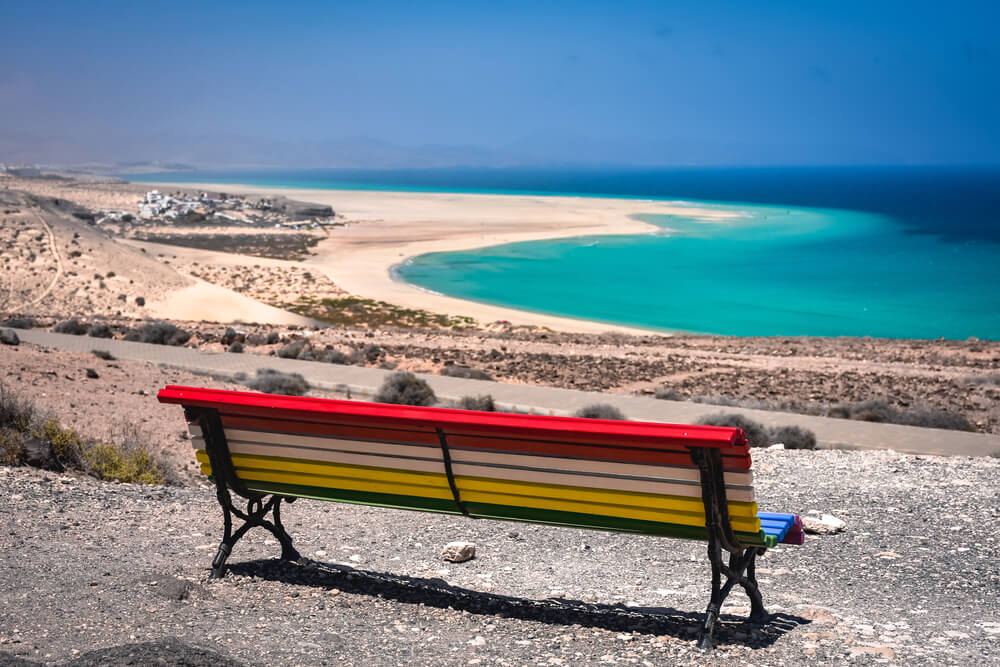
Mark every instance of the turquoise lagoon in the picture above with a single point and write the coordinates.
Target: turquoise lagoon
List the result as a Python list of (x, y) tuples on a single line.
[(772, 271)]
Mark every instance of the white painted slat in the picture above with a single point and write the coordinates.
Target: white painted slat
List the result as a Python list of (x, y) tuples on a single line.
[(667, 480), (691, 490)]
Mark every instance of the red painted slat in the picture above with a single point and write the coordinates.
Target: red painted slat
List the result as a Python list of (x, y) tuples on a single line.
[(332, 430), (621, 454), (594, 452), (581, 431)]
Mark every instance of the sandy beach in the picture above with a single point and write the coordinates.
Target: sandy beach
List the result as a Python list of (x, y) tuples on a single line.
[(386, 228)]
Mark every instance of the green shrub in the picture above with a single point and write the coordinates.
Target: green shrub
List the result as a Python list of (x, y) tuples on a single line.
[(480, 403), (599, 411), (756, 434), (108, 462), (456, 371), (67, 445), (792, 437), (403, 388), (270, 381)]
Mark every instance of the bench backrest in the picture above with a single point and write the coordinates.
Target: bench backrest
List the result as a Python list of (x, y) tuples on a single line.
[(613, 475)]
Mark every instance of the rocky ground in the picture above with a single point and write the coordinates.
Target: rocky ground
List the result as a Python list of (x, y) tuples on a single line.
[(912, 580)]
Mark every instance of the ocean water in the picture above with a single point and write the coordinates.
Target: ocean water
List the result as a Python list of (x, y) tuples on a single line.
[(888, 252)]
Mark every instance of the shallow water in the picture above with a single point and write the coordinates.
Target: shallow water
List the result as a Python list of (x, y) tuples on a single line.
[(777, 271)]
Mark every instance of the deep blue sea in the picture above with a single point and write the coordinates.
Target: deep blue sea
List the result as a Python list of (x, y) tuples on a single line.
[(902, 252)]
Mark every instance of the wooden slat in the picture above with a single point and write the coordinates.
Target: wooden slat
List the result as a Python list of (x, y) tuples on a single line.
[(664, 486), (540, 496), (550, 464)]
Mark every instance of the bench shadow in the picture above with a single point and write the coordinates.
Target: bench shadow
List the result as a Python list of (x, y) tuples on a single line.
[(553, 611)]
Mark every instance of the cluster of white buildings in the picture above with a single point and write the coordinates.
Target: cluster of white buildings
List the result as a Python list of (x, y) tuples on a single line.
[(158, 205)]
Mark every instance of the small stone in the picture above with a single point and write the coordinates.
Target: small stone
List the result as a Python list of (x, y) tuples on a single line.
[(9, 337), (826, 524), (319, 553), (92, 374), (459, 552), (479, 640), (777, 445)]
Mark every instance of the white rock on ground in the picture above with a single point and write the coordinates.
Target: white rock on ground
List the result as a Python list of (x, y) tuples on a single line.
[(459, 552), (826, 524)]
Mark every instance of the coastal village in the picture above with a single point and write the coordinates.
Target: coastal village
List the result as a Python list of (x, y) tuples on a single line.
[(182, 208)]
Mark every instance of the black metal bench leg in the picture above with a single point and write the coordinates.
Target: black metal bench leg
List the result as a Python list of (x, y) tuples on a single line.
[(712, 613), (758, 615), (288, 552), (226, 545), (254, 516)]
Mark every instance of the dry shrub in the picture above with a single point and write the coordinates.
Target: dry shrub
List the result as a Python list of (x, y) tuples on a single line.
[(480, 403), (160, 333), (465, 372), (270, 381), (72, 326), (403, 388), (11, 447), (792, 437), (295, 349), (101, 331), (881, 411), (20, 322), (17, 411), (668, 394), (600, 411), (756, 434)]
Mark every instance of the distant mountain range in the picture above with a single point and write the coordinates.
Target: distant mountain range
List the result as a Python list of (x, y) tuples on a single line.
[(158, 151)]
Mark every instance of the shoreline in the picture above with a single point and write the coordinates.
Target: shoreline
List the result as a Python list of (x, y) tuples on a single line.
[(386, 228)]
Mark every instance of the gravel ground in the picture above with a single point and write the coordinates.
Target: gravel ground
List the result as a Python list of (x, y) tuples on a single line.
[(98, 573)]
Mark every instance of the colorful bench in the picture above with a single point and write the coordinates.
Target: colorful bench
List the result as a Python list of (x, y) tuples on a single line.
[(691, 482)]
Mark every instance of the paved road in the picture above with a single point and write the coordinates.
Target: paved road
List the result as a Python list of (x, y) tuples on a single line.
[(363, 382)]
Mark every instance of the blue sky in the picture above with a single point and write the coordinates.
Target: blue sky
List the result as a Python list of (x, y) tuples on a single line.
[(412, 84)]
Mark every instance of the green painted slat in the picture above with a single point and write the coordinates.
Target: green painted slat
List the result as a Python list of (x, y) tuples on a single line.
[(508, 513), (358, 497)]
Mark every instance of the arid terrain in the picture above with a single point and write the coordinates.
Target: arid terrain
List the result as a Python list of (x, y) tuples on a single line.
[(58, 265)]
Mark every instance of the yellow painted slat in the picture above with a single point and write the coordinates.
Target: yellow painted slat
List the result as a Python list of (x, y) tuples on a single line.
[(468, 485), (316, 469), (664, 509)]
